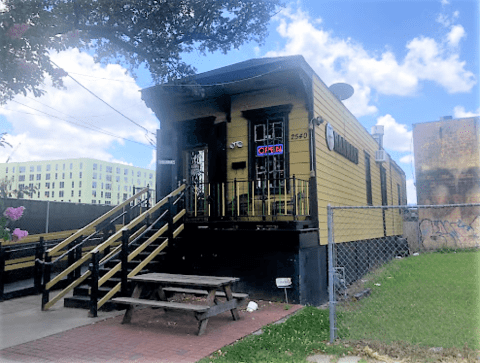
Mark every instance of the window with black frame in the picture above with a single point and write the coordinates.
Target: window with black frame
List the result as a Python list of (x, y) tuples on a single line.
[(269, 148)]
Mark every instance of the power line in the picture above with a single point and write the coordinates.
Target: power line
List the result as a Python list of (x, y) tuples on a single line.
[(74, 123), (106, 79), (63, 113), (106, 103)]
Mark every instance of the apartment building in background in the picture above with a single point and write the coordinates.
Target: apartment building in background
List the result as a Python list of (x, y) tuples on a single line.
[(79, 180)]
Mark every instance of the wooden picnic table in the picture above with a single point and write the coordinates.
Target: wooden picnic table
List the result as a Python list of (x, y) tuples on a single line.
[(212, 286)]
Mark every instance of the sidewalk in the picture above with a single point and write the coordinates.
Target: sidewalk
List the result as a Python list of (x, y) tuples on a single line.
[(67, 335)]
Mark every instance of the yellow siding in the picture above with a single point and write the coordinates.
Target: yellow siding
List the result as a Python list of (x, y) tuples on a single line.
[(237, 130), (341, 182)]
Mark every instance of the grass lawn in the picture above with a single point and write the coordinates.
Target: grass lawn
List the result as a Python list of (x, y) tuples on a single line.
[(429, 300), (301, 335)]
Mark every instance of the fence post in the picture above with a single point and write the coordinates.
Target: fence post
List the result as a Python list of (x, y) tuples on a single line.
[(37, 275), (2, 272), (124, 261), (47, 217), (419, 233), (46, 279), (331, 290), (94, 286)]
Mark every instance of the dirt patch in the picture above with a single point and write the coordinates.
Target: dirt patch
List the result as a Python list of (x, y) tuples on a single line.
[(202, 300), (404, 352)]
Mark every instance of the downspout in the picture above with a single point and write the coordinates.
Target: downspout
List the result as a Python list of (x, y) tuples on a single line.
[(313, 164)]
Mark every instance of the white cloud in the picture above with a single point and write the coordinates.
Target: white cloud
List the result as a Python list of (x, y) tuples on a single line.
[(411, 192), (343, 60), (396, 137), (45, 137), (153, 161), (456, 34), (445, 2), (443, 19), (459, 112), (407, 159)]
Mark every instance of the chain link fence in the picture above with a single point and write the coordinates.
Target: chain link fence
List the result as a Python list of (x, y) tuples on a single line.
[(364, 242)]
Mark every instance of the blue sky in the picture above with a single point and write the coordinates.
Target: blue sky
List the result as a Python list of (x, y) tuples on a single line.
[(409, 62)]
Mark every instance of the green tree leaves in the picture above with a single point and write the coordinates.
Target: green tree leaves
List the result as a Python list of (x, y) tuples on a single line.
[(152, 32)]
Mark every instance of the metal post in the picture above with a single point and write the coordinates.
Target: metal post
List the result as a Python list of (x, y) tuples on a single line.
[(48, 216), (37, 277), (331, 290), (46, 279), (94, 286)]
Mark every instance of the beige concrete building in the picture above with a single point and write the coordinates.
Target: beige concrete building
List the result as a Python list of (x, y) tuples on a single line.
[(447, 168)]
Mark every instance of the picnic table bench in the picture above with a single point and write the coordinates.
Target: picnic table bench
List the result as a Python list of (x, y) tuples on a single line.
[(188, 284)]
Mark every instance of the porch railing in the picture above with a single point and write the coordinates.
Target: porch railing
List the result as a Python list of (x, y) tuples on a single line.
[(280, 199)]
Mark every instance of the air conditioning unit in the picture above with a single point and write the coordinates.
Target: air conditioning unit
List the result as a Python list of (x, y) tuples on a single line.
[(378, 130), (380, 156)]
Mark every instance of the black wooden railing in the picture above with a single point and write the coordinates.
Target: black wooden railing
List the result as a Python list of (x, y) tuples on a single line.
[(119, 244), (287, 198), (72, 247), (167, 215)]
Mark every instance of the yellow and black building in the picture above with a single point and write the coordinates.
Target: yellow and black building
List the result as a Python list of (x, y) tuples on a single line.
[(264, 146)]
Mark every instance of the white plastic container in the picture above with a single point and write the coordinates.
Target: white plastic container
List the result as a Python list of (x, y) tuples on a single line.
[(252, 306)]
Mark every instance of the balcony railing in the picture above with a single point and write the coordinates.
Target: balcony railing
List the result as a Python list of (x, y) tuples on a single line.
[(277, 199)]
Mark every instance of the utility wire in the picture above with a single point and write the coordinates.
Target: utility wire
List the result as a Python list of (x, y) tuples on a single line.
[(113, 108), (106, 79), (74, 123), (63, 113)]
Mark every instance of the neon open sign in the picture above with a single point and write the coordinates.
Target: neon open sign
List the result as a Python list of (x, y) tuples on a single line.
[(270, 150)]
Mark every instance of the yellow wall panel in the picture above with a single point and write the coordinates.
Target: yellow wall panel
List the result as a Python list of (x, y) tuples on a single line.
[(341, 182)]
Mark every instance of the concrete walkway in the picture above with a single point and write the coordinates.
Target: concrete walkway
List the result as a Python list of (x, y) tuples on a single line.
[(21, 320)]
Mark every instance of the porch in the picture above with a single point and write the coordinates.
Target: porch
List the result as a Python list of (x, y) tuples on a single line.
[(250, 203)]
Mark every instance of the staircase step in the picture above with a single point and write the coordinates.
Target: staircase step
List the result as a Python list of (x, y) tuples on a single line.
[(82, 290), (83, 302)]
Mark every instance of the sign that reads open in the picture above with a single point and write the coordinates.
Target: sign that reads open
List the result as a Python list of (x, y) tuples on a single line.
[(270, 150)]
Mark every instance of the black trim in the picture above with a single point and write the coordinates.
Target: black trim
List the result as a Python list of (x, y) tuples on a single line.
[(257, 116), (368, 178)]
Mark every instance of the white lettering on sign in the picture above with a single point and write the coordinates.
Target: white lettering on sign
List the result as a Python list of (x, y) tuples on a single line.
[(166, 162), (283, 282)]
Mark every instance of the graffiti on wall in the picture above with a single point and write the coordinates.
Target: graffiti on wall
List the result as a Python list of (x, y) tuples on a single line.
[(447, 233), (449, 226)]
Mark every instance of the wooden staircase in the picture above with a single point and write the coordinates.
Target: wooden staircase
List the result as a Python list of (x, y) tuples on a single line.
[(136, 248), (82, 294)]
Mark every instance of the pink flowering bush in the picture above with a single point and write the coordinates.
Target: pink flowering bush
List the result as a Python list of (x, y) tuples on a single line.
[(18, 234), (12, 214)]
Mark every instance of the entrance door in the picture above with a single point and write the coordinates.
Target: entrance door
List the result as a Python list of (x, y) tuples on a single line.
[(197, 179)]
